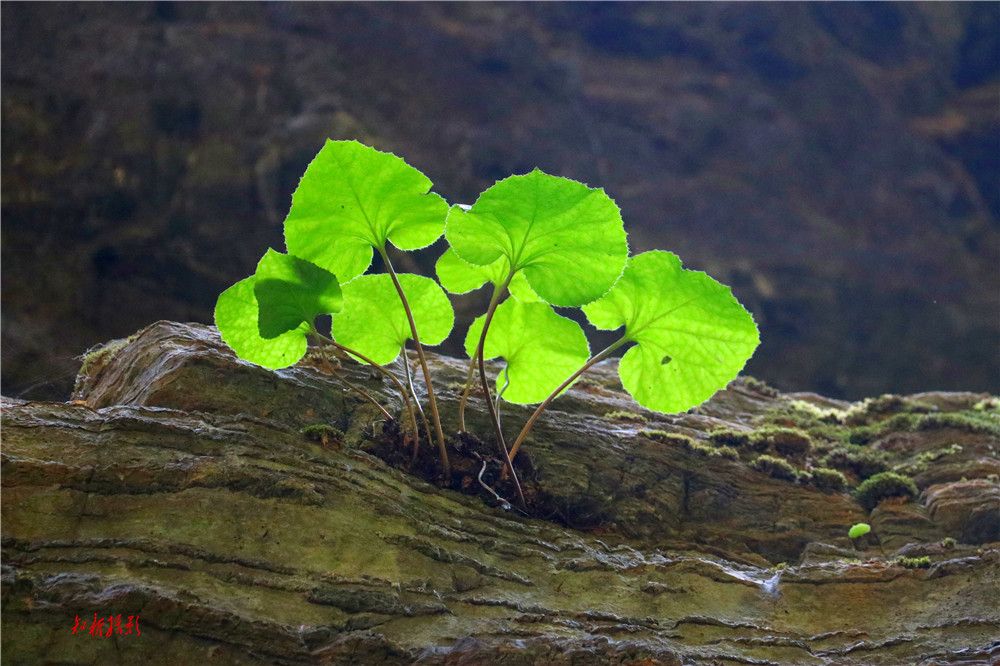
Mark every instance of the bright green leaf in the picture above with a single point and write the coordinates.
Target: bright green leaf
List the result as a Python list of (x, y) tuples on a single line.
[(567, 238), (692, 336), (353, 198), (236, 319), (373, 321), (459, 276), (291, 291), (540, 347), (859, 530)]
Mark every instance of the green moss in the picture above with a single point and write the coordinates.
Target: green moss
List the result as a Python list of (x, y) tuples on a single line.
[(876, 409), (667, 437), (825, 478), (968, 421), (760, 387), (779, 468), (732, 438), (99, 355), (691, 444), (991, 404), (858, 460), (922, 562), (323, 433), (948, 543), (921, 462), (884, 485), (625, 415), (807, 412), (787, 441)]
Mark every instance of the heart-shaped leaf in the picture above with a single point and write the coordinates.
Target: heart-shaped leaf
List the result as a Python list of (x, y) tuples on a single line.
[(291, 291), (459, 276), (353, 198), (236, 315), (373, 321), (692, 336), (540, 347), (567, 238)]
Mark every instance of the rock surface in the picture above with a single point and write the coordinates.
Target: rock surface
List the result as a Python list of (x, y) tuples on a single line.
[(178, 485)]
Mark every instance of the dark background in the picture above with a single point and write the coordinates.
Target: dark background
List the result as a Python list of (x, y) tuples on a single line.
[(837, 164)]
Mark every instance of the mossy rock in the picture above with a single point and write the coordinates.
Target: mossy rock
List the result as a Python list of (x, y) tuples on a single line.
[(825, 478), (882, 486), (786, 441), (779, 468)]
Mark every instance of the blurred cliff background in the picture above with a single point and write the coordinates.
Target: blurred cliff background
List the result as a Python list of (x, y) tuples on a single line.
[(837, 164)]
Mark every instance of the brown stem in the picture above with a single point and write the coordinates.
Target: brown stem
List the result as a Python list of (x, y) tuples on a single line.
[(366, 395), (416, 400), (466, 390), (600, 356), (435, 415), (384, 372), (497, 430)]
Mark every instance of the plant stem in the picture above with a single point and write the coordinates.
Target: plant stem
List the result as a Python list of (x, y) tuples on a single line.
[(435, 416), (383, 371), (497, 430), (597, 358), (413, 392), (368, 396), (466, 390)]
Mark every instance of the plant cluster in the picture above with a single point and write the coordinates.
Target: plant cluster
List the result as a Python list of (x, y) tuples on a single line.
[(539, 241)]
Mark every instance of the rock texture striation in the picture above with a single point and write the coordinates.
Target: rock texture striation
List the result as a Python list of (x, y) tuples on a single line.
[(179, 485)]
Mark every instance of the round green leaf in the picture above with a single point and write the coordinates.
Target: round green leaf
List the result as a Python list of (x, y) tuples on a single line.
[(540, 347), (373, 321), (567, 238), (692, 336), (859, 530), (291, 291), (459, 276), (353, 198), (236, 318)]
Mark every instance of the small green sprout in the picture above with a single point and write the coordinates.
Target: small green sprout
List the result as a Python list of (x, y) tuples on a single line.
[(858, 530), (542, 240)]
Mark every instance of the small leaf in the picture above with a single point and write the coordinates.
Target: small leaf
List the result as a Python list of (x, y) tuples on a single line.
[(373, 321), (859, 530), (692, 336), (353, 198), (236, 319), (540, 347), (291, 291), (567, 238), (460, 277)]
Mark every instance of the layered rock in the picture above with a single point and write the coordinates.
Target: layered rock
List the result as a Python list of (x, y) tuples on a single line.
[(178, 485)]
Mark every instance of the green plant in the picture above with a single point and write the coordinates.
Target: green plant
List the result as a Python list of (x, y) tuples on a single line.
[(542, 240), (858, 530), (884, 485)]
